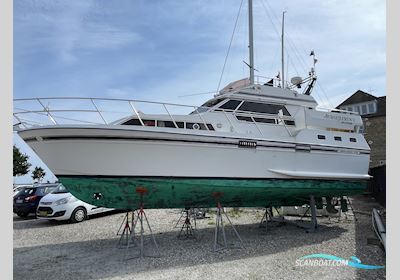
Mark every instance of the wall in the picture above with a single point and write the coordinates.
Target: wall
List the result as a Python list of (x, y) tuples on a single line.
[(375, 134)]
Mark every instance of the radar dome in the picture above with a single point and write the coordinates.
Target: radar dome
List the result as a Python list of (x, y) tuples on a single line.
[(296, 80)]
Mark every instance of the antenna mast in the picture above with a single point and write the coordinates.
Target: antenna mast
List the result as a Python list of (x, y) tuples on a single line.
[(283, 50), (251, 46)]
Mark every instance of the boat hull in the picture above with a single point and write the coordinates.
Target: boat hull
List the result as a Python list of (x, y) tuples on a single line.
[(122, 152), (127, 192), (186, 170)]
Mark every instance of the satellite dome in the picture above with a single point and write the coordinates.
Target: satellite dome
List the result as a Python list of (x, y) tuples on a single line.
[(296, 80)]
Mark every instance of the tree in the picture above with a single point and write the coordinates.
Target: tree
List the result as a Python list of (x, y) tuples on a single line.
[(20, 162), (38, 174)]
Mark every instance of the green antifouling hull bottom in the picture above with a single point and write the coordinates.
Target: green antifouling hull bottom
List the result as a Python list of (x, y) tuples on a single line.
[(127, 192)]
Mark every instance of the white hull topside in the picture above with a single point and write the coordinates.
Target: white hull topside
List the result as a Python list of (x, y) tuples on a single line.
[(142, 151)]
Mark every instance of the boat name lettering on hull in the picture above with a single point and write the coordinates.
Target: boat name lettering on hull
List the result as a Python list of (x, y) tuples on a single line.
[(339, 118)]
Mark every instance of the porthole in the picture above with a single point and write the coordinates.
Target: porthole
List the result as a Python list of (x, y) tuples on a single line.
[(196, 126)]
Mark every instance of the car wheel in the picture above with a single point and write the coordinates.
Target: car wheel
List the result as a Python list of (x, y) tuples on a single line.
[(78, 215)]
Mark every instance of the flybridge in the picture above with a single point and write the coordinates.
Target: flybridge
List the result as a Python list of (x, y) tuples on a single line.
[(257, 91)]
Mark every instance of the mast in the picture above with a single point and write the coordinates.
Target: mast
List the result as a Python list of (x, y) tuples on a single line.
[(283, 49), (251, 46)]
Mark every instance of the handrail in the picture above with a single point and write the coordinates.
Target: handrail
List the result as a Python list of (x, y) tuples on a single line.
[(97, 109), (134, 111), (107, 99), (155, 102), (96, 102), (47, 110)]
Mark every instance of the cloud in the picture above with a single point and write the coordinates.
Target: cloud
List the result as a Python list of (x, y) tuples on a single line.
[(66, 28), (139, 47)]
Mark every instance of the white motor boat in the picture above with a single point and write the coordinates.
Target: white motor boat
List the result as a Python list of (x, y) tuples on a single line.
[(253, 144)]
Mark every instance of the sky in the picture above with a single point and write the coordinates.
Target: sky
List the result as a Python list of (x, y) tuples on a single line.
[(163, 50)]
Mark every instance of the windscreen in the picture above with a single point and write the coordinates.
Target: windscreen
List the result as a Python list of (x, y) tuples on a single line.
[(60, 189)]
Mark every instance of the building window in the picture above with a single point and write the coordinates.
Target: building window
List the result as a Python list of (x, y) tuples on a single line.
[(349, 108), (364, 109), (371, 108), (322, 137), (338, 138)]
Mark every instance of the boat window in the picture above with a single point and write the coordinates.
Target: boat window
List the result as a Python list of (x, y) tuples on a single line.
[(212, 102), (263, 120), (137, 122), (204, 108), (263, 108), (198, 126), (165, 124), (210, 127), (149, 122), (199, 110), (230, 105), (132, 122), (322, 137), (338, 138), (243, 118), (353, 140), (287, 122)]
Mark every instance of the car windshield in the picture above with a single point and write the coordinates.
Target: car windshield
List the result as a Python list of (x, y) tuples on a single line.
[(60, 189)]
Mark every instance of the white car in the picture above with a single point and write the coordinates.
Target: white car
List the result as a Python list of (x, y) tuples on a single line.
[(62, 205)]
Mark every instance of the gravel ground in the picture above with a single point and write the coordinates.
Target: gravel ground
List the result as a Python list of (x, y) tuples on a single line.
[(45, 250)]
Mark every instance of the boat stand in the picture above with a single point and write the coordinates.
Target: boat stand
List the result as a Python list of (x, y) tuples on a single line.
[(187, 231), (313, 223), (345, 205), (184, 214), (126, 227), (138, 226), (268, 217), (220, 230)]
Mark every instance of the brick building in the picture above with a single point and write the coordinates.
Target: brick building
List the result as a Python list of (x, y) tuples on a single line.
[(373, 112)]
